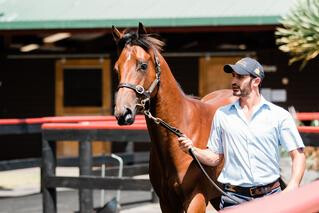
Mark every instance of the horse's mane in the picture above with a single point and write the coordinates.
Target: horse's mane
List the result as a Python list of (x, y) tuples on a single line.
[(146, 41)]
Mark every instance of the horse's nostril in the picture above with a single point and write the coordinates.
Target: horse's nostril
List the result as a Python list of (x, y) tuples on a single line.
[(128, 116)]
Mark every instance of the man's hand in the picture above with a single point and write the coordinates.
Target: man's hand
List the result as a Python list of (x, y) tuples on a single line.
[(185, 143), (298, 169), (205, 156), (291, 186)]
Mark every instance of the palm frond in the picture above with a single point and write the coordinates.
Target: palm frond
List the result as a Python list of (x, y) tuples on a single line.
[(299, 35)]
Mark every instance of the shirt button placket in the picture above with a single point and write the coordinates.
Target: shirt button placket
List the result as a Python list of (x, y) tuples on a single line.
[(250, 150)]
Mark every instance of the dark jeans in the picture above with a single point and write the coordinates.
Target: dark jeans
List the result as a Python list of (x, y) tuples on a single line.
[(225, 202)]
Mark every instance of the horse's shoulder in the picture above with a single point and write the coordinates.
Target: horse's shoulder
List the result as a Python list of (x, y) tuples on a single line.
[(219, 97)]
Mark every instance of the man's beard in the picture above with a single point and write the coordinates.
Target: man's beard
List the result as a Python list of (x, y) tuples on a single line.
[(241, 92)]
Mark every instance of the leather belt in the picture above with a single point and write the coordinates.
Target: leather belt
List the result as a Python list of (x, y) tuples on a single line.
[(253, 191)]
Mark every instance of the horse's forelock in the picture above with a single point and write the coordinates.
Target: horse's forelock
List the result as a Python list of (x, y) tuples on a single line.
[(146, 41), (127, 38)]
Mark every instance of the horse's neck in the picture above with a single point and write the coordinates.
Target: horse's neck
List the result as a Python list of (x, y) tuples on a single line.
[(170, 99), (172, 106)]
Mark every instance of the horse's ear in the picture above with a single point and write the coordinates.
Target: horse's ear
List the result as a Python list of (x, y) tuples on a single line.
[(117, 35), (141, 29)]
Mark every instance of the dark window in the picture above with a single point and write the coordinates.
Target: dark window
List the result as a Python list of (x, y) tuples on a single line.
[(185, 71), (82, 87)]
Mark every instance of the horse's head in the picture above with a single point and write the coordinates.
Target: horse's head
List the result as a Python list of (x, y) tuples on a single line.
[(138, 71)]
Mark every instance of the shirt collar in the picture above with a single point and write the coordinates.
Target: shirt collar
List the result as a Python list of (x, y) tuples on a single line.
[(263, 103)]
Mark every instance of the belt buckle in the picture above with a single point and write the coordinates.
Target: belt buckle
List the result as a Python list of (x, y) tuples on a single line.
[(252, 191), (259, 190)]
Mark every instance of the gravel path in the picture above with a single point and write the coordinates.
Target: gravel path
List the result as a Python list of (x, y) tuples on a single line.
[(19, 192)]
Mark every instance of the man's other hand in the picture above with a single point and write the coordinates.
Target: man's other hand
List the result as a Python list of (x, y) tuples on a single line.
[(185, 143)]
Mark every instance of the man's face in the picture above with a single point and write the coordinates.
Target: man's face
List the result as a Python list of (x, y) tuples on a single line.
[(241, 85)]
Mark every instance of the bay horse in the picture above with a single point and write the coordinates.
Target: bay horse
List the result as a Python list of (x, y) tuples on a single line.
[(144, 73)]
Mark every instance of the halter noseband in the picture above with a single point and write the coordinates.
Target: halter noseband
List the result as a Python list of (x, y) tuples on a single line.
[(139, 89)]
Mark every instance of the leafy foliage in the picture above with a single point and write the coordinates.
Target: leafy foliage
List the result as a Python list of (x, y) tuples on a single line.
[(299, 35)]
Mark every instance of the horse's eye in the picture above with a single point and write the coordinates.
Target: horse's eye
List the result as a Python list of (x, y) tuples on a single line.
[(143, 66)]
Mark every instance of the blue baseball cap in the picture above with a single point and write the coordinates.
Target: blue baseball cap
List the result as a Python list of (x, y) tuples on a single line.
[(246, 66)]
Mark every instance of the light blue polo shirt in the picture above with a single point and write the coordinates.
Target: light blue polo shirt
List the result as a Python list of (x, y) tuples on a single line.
[(251, 148)]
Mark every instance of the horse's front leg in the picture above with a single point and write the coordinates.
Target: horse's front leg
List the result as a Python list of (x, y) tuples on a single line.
[(197, 204)]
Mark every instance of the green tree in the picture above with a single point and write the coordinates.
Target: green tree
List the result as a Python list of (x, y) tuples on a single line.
[(299, 35)]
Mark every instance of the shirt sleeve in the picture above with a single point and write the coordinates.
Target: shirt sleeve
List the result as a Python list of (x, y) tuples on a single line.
[(289, 136), (215, 139)]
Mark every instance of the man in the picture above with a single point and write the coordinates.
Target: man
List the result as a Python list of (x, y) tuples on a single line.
[(247, 135)]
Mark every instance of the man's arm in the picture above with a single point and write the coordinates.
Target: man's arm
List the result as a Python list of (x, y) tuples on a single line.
[(208, 157), (205, 156), (297, 169)]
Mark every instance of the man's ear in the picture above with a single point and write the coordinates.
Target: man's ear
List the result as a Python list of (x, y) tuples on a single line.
[(117, 35), (257, 81)]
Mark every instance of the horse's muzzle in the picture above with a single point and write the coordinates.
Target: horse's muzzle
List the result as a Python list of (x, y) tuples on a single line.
[(126, 117)]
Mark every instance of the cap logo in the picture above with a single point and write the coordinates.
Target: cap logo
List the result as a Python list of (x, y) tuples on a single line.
[(257, 71), (242, 62)]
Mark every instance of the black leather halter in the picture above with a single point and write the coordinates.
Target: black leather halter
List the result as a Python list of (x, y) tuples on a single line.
[(139, 89)]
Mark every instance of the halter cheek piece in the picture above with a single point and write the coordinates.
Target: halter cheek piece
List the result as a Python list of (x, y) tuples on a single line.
[(140, 90)]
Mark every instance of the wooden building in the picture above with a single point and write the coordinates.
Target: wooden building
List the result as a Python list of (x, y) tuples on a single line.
[(72, 75)]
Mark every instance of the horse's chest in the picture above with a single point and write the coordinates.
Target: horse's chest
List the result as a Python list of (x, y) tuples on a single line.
[(173, 187), (167, 182)]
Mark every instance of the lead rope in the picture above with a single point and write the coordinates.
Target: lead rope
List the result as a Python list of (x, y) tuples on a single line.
[(178, 133)]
